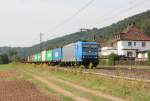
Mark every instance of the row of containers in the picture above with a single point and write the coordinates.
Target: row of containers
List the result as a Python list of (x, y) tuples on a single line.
[(74, 52), (46, 55)]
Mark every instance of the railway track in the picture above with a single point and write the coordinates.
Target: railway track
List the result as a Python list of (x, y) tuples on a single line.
[(122, 73)]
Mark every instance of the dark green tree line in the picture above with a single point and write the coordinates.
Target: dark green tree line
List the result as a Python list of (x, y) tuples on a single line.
[(4, 59)]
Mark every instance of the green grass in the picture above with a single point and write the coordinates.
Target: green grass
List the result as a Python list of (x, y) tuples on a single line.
[(79, 92), (7, 67), (130, 90), (115, 87), (124, 66), (68, 88), (42, 87)]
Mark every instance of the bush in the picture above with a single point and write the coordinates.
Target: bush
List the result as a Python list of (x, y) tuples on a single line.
[(103, 62), (4, 59), (148, 57), (90, 67), (112, 58), (81, 69)]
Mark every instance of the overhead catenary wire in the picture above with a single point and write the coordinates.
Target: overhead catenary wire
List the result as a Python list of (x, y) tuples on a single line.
[(124, 10), (72, 16), (104, 20)]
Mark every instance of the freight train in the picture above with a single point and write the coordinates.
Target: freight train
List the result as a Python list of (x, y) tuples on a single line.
[(75, 53)]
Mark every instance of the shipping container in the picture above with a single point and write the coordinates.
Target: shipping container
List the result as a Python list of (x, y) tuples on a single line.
[(39, 57), (49, 55), (32, 57), (68, 52), (43, 55), (78, 51), (29, 59), (57, 54), (35, 57)]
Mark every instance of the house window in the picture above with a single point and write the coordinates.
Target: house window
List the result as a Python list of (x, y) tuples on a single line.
[(134, 43), (135, 33), (129, 43), (129, 54), (143, 44), (143, 55)]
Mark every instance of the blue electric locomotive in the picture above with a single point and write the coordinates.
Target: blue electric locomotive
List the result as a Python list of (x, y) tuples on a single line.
[(81, 53)]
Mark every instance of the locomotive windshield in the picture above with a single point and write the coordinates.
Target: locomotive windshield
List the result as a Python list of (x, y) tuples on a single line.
[(89, 46), (90, 49)]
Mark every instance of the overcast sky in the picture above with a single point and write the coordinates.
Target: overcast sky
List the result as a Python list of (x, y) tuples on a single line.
[(21, 21)]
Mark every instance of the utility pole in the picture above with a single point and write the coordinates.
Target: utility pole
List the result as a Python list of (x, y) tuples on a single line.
[(41, 34)]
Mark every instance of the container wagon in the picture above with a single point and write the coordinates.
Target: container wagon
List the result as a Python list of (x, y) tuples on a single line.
[(57, 55), (29, 59), (43, 56), (35, 57), (48, 56)]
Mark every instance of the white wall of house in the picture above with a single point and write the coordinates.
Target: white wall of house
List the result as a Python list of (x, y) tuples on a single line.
[(121, 45), (123, 48), (105, 51), (142, 55), (131, 51)]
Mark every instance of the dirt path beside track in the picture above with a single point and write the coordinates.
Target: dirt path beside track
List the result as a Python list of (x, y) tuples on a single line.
[(76, 86), (59, 89), (94, 92)]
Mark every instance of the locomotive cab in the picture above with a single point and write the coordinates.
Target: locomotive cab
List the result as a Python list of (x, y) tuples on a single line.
[(87, 52)]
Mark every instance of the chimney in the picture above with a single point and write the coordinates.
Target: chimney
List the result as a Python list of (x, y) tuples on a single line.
[(132, 24)]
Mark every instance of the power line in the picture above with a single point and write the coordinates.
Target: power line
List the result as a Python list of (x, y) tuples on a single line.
[(124, 10), (73, 15), (130, 8), (105, 19)]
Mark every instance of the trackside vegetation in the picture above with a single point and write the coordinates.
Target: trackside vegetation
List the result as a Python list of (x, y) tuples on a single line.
[(112, 58), (148, 57), (127, 90), (4, 59)]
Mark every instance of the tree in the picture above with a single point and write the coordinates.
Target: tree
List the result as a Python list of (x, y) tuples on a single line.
[(12, 54), (148, 57), (146, 26), (112, 58), (1, 60), (4, 59)]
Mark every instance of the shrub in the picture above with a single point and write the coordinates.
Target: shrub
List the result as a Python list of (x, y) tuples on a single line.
[(90, 67), (112, 58), (81, 69), (103, 62), (148, 57), (4, 59)]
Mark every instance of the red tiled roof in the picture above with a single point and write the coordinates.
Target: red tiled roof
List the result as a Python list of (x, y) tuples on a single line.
[(133, 33)]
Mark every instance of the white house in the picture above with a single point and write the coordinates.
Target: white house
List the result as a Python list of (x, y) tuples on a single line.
[(142, 55), (130, 43), (105, 51)]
